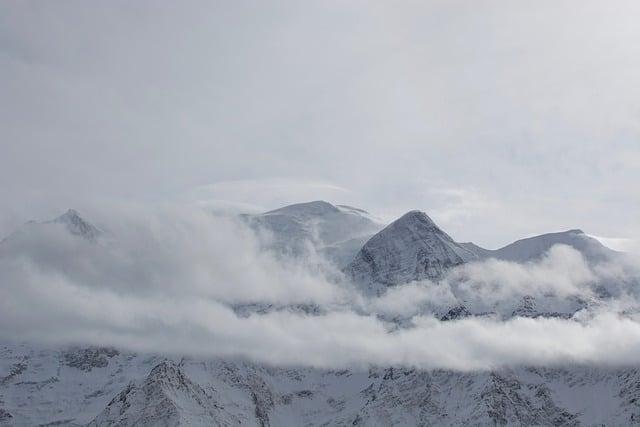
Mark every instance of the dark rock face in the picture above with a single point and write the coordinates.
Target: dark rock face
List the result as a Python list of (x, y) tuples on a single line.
[(5, 416), (89, 358), (14, 372), (459, 312)]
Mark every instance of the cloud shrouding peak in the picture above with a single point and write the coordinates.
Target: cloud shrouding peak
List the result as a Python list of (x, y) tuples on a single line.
[(167, 280)]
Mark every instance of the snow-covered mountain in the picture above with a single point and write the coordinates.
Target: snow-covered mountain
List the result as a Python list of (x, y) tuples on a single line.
[(411, 248), (335, 231)]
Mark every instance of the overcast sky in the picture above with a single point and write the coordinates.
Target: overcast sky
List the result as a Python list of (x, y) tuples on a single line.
[(499, 119)]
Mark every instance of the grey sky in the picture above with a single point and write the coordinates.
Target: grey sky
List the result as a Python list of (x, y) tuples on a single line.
[(499, 119)]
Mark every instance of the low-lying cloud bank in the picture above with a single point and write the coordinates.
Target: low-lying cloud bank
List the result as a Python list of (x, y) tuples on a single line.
[(166, 281)]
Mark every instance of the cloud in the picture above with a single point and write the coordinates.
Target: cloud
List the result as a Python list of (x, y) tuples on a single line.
[(563, 271), (164, 280), (621, 244)]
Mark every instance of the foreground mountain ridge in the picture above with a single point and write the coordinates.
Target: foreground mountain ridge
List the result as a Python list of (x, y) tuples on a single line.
[(46, 387)]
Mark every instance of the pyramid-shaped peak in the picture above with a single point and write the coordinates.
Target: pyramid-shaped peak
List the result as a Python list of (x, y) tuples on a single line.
[(411, 248), (77, 225), (413, 225)]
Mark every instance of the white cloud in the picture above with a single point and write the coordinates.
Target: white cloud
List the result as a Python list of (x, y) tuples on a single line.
[(162, 280)]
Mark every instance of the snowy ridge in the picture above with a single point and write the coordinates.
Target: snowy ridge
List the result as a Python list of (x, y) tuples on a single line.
[(535, 247)]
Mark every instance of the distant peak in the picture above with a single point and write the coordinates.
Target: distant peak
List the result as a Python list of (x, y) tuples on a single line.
[(316, 207)]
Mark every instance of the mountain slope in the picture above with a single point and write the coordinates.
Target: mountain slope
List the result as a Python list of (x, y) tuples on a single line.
[(411, 248)]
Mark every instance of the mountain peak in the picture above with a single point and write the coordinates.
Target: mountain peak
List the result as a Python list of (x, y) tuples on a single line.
[(411, 248), (416, 216), (77, 225)]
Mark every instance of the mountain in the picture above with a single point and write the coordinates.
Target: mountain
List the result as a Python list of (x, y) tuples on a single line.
[(336, 231), (39, 387), (103, 386), (533, 248), (411, 248)]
